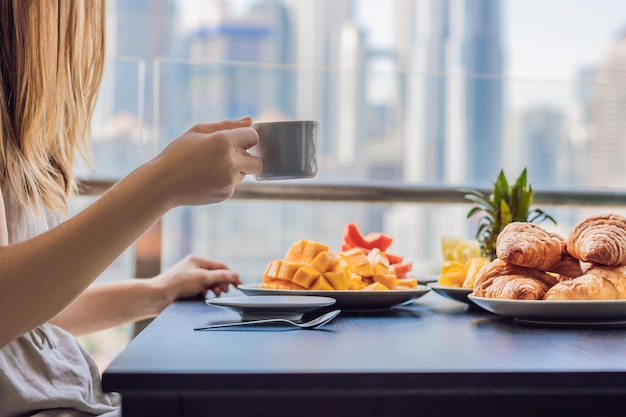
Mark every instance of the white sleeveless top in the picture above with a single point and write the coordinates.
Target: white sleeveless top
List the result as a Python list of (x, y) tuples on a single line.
[(46, 372)]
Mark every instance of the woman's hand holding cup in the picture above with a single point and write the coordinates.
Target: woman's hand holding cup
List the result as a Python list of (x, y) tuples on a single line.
[(205, 164)]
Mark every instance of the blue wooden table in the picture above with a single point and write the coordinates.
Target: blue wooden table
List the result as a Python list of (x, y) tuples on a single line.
[(435, 357)]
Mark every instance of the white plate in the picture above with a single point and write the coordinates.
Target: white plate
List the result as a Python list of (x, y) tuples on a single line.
[(348, 300), (260, 307), (453, 293), (557, 312)]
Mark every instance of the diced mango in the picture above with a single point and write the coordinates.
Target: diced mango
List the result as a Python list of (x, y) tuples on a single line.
[(272, 269), (376, 286), (381, 269), (338, 279), (321, 284), (288, 270), (358, 262), (325, 261), (389, 281), (367, 280), (406, 283), (305, 275), (311, 249), (294, 254), (311, 265), (280, 284), (355, 283), (376, 256)]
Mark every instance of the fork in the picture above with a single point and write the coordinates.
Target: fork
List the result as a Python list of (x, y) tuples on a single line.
[(311, 324)]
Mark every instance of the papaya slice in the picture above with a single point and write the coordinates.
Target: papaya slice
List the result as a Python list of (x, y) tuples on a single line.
[(353, 236)]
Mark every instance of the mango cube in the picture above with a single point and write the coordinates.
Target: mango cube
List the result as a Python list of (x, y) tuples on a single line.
[(389, 281), (288, 270), (272, 269), (325, 261), (355, 283), (305, 275), (376, 286), (376, 256), (338, 279), (311, 249), (406, 283), (294, 254), (280, 284), (358, 262), (321, 284)]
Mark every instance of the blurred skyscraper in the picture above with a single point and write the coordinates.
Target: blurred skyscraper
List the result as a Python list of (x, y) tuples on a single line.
[(143, 29), (454, 131), (221, 83), (321, 29), (541, 134), (457, 132), (476, 49), (606, 146)]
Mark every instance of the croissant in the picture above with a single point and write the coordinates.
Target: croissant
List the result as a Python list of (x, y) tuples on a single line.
[(600, 240), (528, 245), (501, 279), (598, 283)]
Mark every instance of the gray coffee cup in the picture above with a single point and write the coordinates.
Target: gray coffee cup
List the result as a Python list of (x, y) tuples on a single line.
[(288, 149)]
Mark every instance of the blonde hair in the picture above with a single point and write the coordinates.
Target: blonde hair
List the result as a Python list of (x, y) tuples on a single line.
[(51, 63)]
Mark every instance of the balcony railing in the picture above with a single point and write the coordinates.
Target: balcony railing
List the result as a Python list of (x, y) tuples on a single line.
[(387, 193)]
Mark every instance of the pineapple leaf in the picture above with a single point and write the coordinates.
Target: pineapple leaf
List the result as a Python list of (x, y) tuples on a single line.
[(480, 199), (523, 206), (538, 215), (500, 189), (521, 181), (474, 210), (505, 213), (506, 204)]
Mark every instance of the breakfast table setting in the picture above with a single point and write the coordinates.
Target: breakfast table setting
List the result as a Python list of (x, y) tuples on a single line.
[(518, 321), (432, 356)]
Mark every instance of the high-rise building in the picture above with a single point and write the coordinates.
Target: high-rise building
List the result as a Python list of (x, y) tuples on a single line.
[(144, 30), (318, 28), (541, 136), (474, 92), (454, 113), (222, 83), (455, 102), (606, 145)]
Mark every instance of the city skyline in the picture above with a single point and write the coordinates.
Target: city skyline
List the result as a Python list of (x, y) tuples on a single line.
[(533, 31), (431, 127)]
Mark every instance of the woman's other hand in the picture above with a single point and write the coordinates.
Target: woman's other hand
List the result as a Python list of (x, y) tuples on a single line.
[(206, 163), (195, 275)]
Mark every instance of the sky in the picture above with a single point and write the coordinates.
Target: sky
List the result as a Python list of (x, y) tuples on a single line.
[(554, 38)]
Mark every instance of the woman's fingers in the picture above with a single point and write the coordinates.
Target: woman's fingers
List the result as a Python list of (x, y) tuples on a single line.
[(243, 139), (223, 125)]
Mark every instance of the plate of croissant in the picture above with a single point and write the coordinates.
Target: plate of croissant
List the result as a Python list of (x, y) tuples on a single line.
[(561, 312), (540, 276)]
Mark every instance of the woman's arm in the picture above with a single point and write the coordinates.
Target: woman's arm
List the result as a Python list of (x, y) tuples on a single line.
[(102, 306), (202, 166)]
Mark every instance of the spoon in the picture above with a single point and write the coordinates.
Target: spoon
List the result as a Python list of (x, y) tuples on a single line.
[(311, 324)]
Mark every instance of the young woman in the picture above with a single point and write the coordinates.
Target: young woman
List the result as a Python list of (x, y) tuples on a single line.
[(51, 60)]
